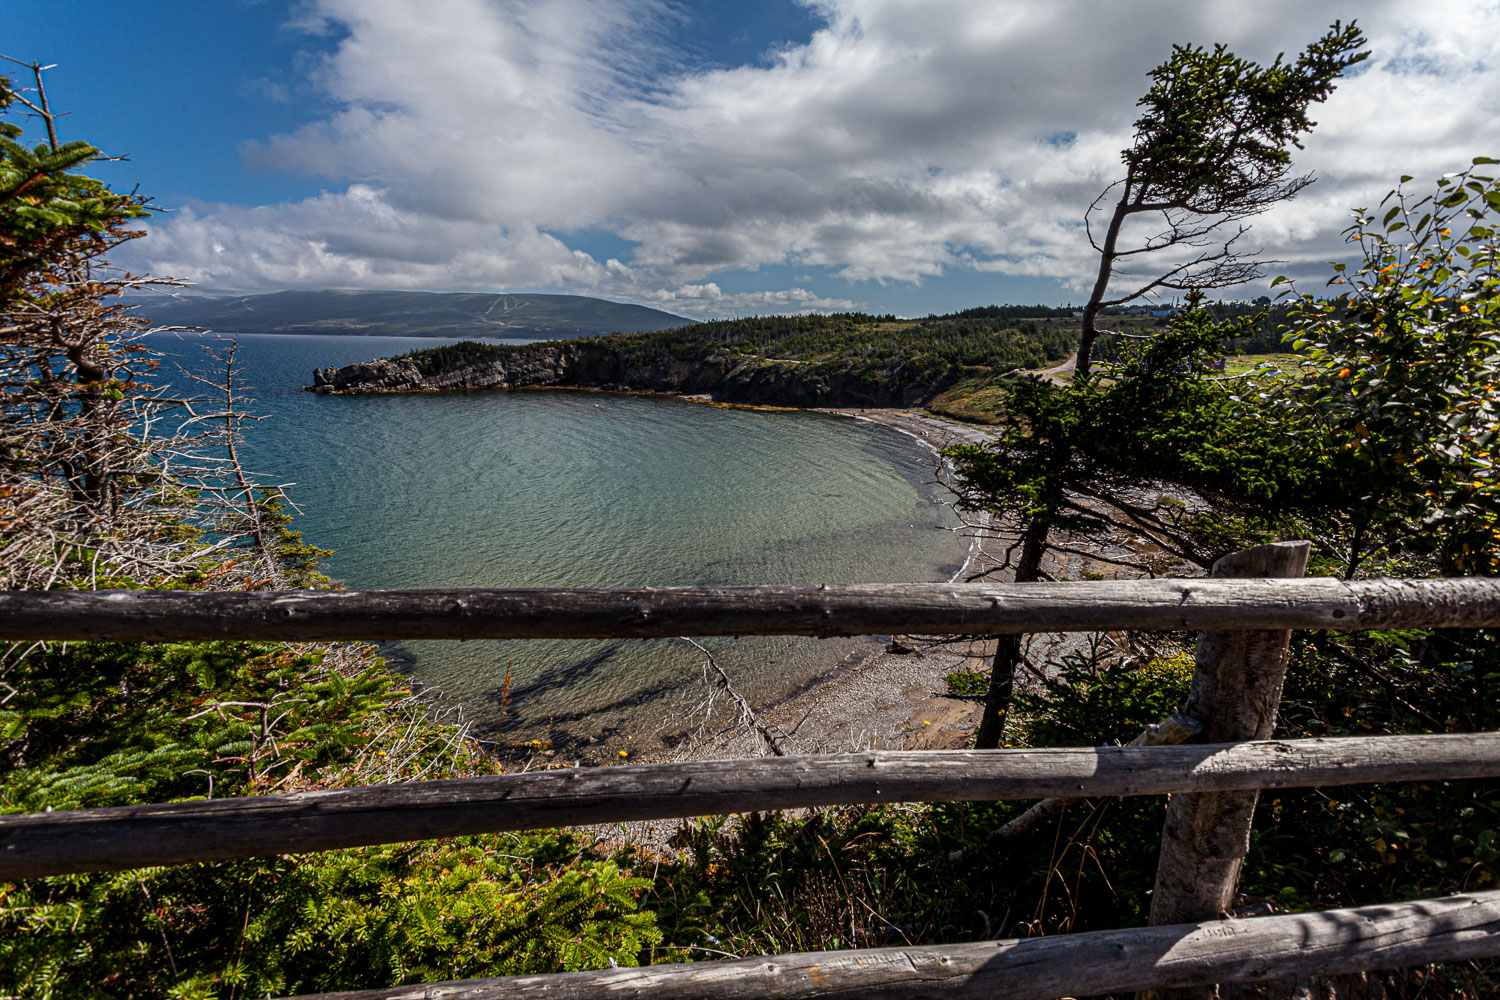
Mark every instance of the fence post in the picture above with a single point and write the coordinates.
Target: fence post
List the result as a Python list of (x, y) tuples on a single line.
[(1236, 692)]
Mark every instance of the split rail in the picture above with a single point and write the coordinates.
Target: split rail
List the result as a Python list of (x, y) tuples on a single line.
[(1244, 614)]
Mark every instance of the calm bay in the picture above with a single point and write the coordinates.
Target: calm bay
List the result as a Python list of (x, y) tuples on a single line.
[(572, 489)]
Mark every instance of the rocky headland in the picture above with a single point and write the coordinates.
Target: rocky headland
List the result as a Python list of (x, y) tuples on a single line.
[(746, 380), (845, 360)]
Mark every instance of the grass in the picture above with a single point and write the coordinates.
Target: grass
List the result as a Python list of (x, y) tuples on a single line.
[(1239, 364), (967, 683), (974, 399)]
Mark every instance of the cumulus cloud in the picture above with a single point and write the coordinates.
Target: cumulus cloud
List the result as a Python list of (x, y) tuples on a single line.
[(709, 299), (905, 141)]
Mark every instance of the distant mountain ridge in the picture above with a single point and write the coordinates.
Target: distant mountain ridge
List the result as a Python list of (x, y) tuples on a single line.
[(412, 314)]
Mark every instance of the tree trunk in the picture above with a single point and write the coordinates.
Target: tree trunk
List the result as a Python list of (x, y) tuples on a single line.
[(1090, 330), (1008, 648)]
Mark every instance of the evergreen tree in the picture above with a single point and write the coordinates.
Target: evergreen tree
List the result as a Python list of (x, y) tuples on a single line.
[(1212, 148)]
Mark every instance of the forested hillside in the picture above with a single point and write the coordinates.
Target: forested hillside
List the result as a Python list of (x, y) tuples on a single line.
[(846, 359)]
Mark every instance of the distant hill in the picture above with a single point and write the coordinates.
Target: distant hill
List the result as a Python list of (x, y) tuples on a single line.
[(411, 314)]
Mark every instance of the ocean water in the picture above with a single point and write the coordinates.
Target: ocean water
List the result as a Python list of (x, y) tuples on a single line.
[(570, 489)]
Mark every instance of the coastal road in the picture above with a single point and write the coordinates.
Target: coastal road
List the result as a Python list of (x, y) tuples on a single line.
[(1061, 374)]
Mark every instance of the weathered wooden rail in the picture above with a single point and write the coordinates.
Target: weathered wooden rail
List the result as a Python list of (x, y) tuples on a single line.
[(832, 610), (1243, 616), (119, 837), (1088, 964)]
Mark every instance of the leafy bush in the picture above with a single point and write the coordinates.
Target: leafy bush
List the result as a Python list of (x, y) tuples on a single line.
[(106, 724)]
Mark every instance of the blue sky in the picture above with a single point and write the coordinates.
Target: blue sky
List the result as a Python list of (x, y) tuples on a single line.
[(178, 96), (710, 158)]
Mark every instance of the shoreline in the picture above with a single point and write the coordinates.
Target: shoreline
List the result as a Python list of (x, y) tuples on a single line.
[(935, 433), (872, 697), (875, 698)]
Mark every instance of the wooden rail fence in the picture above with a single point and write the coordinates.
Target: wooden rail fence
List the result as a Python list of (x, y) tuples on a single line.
[(1243, 614), (120, 837), (663, 612)]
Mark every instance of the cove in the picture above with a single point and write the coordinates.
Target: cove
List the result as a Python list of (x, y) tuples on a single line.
[(572, 489)]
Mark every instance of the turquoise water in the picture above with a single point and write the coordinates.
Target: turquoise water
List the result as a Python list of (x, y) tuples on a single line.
[(571, 489)]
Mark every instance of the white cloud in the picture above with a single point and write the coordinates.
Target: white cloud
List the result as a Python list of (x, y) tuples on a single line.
[(905, 141), (708, 300), (357, 238)]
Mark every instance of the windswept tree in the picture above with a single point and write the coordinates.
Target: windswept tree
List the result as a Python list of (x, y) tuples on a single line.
[(1212, 148), (71, 457), (1104, 459), (1381, 449), (102, 475)]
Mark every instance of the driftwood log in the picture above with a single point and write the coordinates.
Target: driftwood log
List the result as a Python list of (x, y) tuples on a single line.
[(644, 612), (1089, 964), (137, 836)]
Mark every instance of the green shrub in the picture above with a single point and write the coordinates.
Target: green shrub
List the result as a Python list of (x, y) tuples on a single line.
[(967, 683), (474, 906)]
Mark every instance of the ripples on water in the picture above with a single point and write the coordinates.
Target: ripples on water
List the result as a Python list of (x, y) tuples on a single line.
[(569, 489)]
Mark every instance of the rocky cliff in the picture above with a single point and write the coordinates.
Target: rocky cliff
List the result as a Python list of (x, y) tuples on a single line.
[(752, 380)]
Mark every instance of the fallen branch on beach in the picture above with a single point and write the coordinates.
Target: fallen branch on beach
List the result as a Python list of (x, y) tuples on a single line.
[(747, 717)]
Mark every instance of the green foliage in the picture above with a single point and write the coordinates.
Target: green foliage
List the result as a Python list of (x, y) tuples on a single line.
[(1212, 148), (1314, 848), (974, 399), (298, 561), (1096, 699), (779, 883), (967, 683), (1397, 841), (1158, 415), (1380, 448), (1094, 867), (1174, 420), (95, 724), (435, 360), (1375, 441), (1402, 370), (1009, 312), (1216, 129), (499, 905), (107, 724), (924, 874), (843, 878), (881, 353), (1085, 457), (75, 477), (44, 204)]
